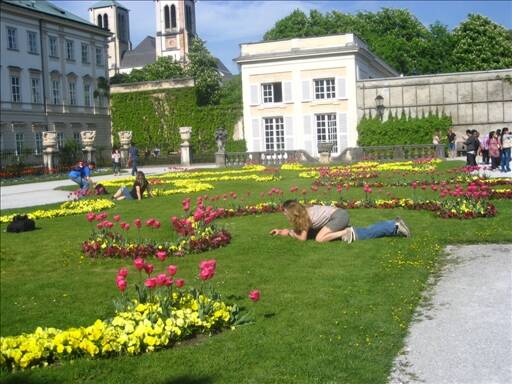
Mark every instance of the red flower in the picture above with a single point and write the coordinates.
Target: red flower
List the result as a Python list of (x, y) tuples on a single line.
[(148, 268), (117, 218), (254, 295), (139, 263), (90, 217), (180, 283), (123, 272), (161, 255), (172, 269), (121, 284), (150, 283), (138, 223)]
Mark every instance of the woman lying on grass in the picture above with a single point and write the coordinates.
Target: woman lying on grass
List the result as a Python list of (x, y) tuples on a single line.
[(333, 223), (139, 187)]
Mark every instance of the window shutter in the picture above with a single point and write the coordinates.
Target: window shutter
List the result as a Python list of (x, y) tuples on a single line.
[(256, 136), (287, 91), (342, 123), (308, 139), (288, 133), (306, 90), (341, 88), (255, 95)]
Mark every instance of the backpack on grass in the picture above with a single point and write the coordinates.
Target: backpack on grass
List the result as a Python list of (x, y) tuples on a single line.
[(21, 223)]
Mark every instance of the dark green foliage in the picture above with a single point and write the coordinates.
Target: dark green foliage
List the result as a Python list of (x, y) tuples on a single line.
[(202, 67), (155, 118), (405, 43), (70, 153), (231, 91), (401, 130), (162, 69), (236, 146)]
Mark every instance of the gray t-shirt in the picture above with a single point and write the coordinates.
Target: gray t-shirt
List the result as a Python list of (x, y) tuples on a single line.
[(320, 215)]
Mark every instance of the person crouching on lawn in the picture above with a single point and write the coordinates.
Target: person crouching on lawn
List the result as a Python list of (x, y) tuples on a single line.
[(333, 223), (140, 186), (81, 174)]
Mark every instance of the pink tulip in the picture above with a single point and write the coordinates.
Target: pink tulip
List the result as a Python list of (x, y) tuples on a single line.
[(414, 185), (186, 204), (99, 225), (123, 272), (126, 226), (172, 269), (148, 268), (208, 264), (180, 283), (168, 281), (254, 295), (156, 224), (294, 189), (161, 255), (117, 218), (121, 285), (90, 217), (160, 279), (150, 222), (150, 282), (139, 264), (138, 223)]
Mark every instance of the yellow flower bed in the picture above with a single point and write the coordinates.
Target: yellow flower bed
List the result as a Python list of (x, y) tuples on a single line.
[(292, 167), (143, 328), (65, 209), (182, 186)]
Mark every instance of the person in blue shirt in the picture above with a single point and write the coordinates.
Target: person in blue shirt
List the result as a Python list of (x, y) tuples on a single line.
[(81, 174), (133, 156), (86, 175)]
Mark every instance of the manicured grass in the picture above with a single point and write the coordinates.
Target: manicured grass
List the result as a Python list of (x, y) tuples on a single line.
[(329, 313)]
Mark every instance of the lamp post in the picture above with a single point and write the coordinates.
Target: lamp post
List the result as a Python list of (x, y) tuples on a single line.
[(379, 105)]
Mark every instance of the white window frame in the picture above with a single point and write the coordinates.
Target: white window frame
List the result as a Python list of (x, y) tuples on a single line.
[(32, 42), (12, 38), (85, 53), (99, 56), (87, 95), (35, 85), (327, 129), (38, 140), (60, 140), (268, 92), (72, 92), (53, 48), (55, 91), (15, 88), (70, 50), (325, 89), (19, 141), (273, 133)]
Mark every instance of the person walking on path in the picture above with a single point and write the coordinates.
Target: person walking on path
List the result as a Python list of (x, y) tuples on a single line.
[(116, 161), (332, 223), (133, 157), (506, 144), (471, 144), (451, 136), (494, 150)]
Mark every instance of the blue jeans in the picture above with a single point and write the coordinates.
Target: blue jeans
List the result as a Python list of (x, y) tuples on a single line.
[(381, 229), (134, 167), (79, 181), (505, 160)]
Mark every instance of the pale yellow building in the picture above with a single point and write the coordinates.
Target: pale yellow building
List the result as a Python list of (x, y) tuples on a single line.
[(300, 92)]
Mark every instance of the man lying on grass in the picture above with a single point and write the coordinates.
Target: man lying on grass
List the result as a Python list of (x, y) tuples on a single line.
[(334, 223)]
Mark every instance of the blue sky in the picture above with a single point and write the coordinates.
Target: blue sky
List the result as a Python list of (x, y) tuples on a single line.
[(226, 24)]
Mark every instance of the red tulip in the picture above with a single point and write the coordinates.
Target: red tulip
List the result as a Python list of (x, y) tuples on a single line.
[(156, 224), (138, 223), (117, 218), (148, 268), (139, 263), (172, 269), (121, 284), (160, 279), (161, 255), (254, 295), (123, 272), (150, 282), (90, 217), (180, 283)]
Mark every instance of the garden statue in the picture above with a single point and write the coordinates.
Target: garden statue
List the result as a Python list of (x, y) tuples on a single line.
[(221, 135), (125, 138), (87, 141), (50, 149), (185, 145), (324, 150)]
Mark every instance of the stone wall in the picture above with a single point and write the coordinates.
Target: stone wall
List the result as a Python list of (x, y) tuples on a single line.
[(474, 100), (151, 85)]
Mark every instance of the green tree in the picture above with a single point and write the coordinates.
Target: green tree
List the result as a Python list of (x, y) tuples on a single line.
[(163, 69), (231, 91), (481, 44), (293, 25), (202, 66)]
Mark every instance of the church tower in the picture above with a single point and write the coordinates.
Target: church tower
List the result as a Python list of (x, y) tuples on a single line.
[(112, 16), (175, 27)]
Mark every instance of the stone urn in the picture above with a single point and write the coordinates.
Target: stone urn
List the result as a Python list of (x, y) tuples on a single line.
[(87, 141), (185, 133), (125, 138), (324, 151), (49, 139), (50, 150)]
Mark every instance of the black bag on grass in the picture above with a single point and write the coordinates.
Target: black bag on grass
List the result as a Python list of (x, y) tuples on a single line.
[(21, 223)]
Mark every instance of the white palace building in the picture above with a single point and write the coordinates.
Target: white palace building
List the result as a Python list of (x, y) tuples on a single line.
[(50, 65)]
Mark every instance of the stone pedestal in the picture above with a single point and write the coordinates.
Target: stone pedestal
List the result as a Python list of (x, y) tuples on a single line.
[(185, 145), (325, 157), (50, 150), (87, 141), (125, 138), (220, 159)]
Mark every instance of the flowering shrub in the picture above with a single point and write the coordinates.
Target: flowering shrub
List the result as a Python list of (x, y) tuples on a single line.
[(158, 318), (65, 209)]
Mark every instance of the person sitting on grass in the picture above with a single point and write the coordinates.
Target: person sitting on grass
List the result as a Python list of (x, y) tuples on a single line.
[(140, 186), (332, 223)]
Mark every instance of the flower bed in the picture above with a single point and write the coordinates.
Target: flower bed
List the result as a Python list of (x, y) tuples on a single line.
[(163, 314), (65, 209)]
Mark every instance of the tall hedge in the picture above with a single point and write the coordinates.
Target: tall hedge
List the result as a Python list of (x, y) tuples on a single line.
[(154, 117), (401, 130)]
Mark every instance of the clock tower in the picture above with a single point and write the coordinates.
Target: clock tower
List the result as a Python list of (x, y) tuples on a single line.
[(175, 28)]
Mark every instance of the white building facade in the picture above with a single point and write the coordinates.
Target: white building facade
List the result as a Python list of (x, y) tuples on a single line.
[(298, 93), (50, 65)]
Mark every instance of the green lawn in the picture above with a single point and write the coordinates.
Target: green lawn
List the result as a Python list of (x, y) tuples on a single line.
[(329, 313)]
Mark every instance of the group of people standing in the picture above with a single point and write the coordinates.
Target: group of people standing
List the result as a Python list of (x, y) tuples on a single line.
[(133, 158), (494, 148)]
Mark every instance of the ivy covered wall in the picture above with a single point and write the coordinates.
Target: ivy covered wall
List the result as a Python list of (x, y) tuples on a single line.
[(154, 117), (402, 130)]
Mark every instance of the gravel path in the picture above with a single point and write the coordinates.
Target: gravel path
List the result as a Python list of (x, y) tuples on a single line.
[(463, 333)]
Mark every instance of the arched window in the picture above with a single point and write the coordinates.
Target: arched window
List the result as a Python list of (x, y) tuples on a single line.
[(166, 17), (100, 21), (105, 22), (173, 16)]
